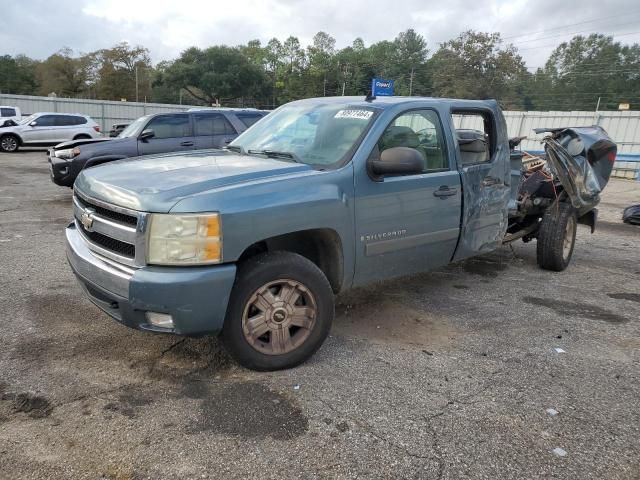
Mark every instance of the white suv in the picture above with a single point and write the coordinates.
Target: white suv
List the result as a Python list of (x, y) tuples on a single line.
[(45, 129), (9, 114)]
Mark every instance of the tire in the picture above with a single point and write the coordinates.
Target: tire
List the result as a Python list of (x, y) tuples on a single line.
[(9, 143), (273, 296), (557, 237)]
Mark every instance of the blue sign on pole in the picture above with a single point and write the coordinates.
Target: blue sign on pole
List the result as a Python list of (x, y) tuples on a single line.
[(381, 88)]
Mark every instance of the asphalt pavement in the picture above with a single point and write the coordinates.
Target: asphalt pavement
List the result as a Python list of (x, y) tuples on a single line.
[(490, 368)]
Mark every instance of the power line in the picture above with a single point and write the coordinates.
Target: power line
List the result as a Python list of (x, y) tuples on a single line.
[(626, 14)]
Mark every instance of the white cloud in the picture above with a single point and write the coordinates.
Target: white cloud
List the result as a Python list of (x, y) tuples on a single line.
[(167, 27)]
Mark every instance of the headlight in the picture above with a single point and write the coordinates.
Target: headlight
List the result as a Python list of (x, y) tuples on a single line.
[(68, 153), (184, 239)]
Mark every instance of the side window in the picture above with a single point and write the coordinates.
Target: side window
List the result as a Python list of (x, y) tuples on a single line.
[(212, 124), (7, 112), (421, 130), (79, 121), (170, 126), (65, 120), (46, 121), (474, 133), (249, 118)]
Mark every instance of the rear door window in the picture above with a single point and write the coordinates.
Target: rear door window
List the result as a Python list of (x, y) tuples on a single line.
[(475, 134), (7, 112), (212, 124), (170, 126), (67, 120), (249, 118)]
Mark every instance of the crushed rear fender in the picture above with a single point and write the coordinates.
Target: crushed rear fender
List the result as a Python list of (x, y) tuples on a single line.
[(581, 158)]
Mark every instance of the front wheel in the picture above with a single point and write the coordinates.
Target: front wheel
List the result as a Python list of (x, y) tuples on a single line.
[(280, 311), (9, 143), (557, 237)]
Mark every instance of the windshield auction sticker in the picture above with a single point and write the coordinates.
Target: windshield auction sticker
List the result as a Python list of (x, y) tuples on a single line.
[(358, 114)]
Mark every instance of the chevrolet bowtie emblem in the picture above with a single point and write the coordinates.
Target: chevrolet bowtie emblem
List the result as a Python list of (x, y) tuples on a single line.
[(87, 218)]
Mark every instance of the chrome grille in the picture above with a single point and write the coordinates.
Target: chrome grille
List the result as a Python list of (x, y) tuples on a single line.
[(109, 230), (110, 214)]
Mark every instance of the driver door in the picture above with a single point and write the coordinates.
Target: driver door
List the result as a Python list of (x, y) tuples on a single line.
[(172, 133), (408, 223)]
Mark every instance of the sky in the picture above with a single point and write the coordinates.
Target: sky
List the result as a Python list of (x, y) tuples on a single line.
[(38, 28)]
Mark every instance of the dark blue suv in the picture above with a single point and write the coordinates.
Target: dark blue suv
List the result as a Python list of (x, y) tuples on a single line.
[(159, 133)]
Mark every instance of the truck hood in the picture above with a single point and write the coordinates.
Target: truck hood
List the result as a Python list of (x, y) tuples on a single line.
[(157, 183), (85, 141)]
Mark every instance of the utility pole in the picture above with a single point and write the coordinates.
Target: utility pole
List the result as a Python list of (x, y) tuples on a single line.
[(595, 115), (324, 86), (411, 82), (345, 74), (136, 83)]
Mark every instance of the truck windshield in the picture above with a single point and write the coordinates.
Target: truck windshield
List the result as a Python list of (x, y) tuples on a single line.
[(318, 135), (133, 129)]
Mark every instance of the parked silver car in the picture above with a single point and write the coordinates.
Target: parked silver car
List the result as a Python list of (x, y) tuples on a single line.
[(45, 129)]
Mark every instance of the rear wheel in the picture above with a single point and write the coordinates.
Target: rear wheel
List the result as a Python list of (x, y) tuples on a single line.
[(557, 237), (9, 143), (280, 311)]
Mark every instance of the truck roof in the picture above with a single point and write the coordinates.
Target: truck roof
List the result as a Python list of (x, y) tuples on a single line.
[(387, 102)]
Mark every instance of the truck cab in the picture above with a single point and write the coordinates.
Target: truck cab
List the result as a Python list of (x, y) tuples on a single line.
[(321, 195)]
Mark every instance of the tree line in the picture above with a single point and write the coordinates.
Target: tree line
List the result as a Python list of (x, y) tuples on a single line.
[(578, 74)]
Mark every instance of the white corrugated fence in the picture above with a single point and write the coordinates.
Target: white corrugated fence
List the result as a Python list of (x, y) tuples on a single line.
[(623, 127)]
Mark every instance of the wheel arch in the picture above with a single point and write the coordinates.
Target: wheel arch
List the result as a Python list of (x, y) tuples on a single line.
[(12, 134), (322, 246)]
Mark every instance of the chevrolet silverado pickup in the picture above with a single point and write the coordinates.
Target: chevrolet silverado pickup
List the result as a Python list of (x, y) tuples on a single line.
[(252, 242)]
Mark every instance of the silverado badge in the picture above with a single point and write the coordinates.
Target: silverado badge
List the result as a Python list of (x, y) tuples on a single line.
[(87, 219)]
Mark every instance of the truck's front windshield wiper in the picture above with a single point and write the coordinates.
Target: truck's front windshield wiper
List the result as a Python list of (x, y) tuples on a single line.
[(235, 148), (275, 154)]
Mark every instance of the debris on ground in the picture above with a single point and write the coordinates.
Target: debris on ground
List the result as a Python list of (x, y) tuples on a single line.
[(631, 215), (560, 452), (552, 411), (296, 387), (36, 406), (559, 350)]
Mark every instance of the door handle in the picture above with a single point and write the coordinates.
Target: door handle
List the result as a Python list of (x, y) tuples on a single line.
[(444, 191), (186, 144), (490, 181)]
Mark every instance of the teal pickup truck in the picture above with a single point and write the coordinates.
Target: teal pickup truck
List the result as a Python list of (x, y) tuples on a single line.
[(253, 241)]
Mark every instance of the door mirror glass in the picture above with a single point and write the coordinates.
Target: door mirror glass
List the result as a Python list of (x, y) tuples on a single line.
[(147, 133), (33, 124), (398, 161)]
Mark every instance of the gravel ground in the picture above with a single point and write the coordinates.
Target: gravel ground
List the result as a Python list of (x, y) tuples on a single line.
[(442, 375)]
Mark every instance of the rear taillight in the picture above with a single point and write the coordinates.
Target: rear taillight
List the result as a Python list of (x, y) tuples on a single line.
[(96, 128), (611, 156)]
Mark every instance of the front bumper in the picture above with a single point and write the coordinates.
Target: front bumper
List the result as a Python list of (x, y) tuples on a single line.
[(62, 171), (195, 297)]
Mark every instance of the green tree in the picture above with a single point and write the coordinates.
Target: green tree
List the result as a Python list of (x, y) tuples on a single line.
[(65, 73), (320, 55), (18, 75), (476, 65), (581, 71), (217, 74), (116, 69)]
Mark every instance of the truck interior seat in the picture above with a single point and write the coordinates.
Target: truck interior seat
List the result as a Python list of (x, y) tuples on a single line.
[(474, 147)]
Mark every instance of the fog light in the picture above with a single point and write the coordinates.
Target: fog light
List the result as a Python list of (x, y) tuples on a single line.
[(159, 319)]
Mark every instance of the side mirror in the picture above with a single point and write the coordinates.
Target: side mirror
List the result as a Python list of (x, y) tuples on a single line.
[(33, 124), (147, 134), (398, 161)]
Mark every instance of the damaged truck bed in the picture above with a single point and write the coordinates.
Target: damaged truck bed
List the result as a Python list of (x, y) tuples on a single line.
[(553, 192)]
